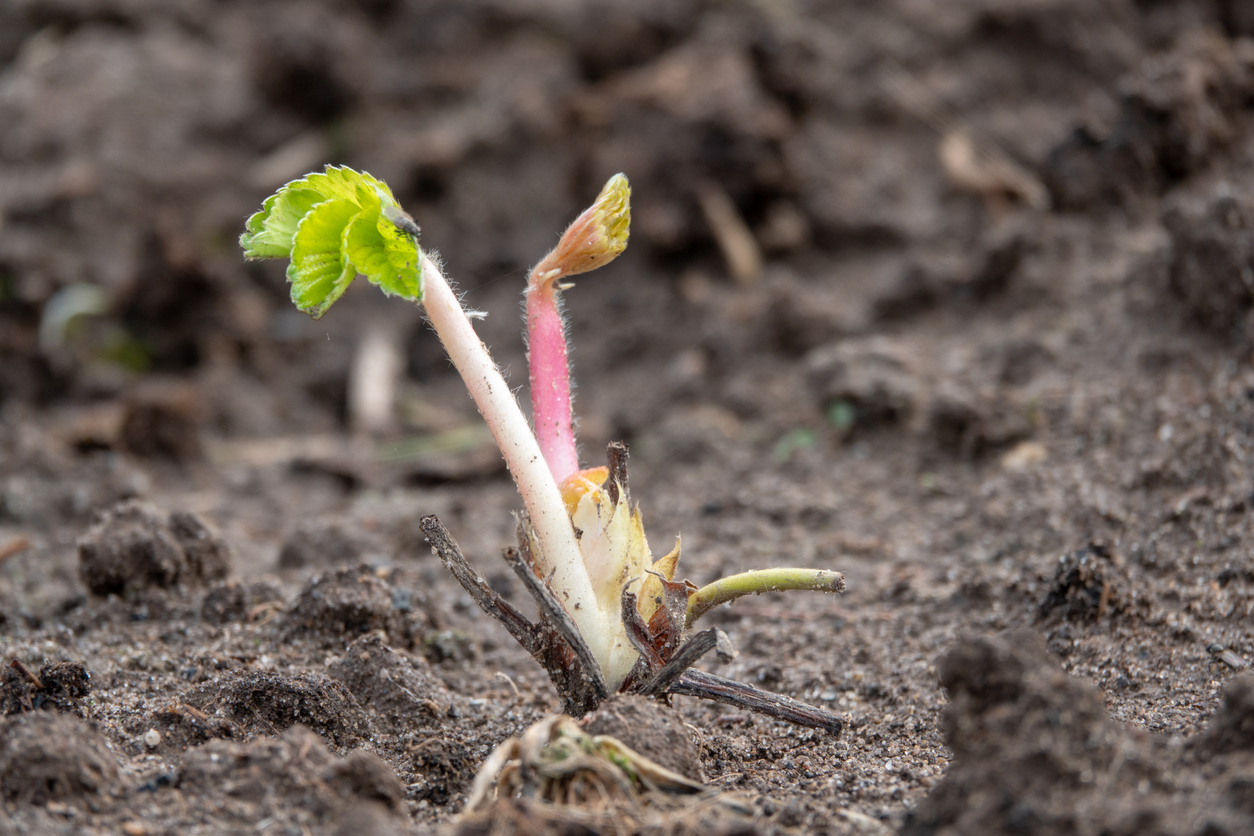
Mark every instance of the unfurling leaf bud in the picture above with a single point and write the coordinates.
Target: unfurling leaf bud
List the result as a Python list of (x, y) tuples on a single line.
[(594, 239), (334, 225)]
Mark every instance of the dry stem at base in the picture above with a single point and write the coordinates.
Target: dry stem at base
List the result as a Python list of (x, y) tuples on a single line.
[(545, 642), (560, 660)]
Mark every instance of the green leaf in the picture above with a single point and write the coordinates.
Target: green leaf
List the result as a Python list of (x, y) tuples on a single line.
[(334, 225), (274, 227), (383, 252), (320, 272), (343, 182)]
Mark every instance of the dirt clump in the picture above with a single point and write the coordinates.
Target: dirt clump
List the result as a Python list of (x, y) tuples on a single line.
[(1224, 754), (400, 689), (650, 728), (1021, 731), (963, 422), (322, 543), (161, 422), (871, 379), (1084, 587), (1035, 751), (527, 817), (234, 601), (1177, 114), (937, 279), (1212, 257), (1232, 727), (59, 686), (180, 726), (292, 779), (446, 767), (373, 819), (519, 817), (364, 775), (342, 604), (262, 703), (46, 757), (135, 546)]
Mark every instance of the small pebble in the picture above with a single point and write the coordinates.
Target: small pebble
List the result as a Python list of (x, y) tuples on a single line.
[(152, 738), (1226, 656)]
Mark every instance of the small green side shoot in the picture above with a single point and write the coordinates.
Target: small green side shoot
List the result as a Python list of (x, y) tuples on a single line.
[(612, 618)]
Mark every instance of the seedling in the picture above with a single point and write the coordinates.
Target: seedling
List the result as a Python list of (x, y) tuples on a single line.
[(611, 617)]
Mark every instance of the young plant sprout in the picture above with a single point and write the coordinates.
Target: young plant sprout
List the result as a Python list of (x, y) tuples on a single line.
[(611, 617)]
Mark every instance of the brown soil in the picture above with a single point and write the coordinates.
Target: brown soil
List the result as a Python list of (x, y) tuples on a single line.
[(996, 368)]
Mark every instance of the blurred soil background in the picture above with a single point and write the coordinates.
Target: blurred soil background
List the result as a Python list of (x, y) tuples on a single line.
[(954, 297)]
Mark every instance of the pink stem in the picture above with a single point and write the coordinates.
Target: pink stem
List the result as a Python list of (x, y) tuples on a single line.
[(550, 380)]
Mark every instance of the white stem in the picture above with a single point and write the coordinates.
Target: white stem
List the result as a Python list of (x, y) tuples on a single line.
[(518, 445)]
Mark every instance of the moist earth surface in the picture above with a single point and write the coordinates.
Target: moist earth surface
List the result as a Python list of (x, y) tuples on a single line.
[(952, 297)]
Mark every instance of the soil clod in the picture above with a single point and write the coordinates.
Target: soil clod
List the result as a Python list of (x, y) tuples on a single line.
[(1083, 587), (321, 544), (135, 545), (650, 728), (1035, 749), (446, 768), (342, 604), (160, 422), (234, 601), (1212, 257), (871, 377), (291, 779), (401, 689), (263, 703), (1232, 727), (59, 686), (46, 757)]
